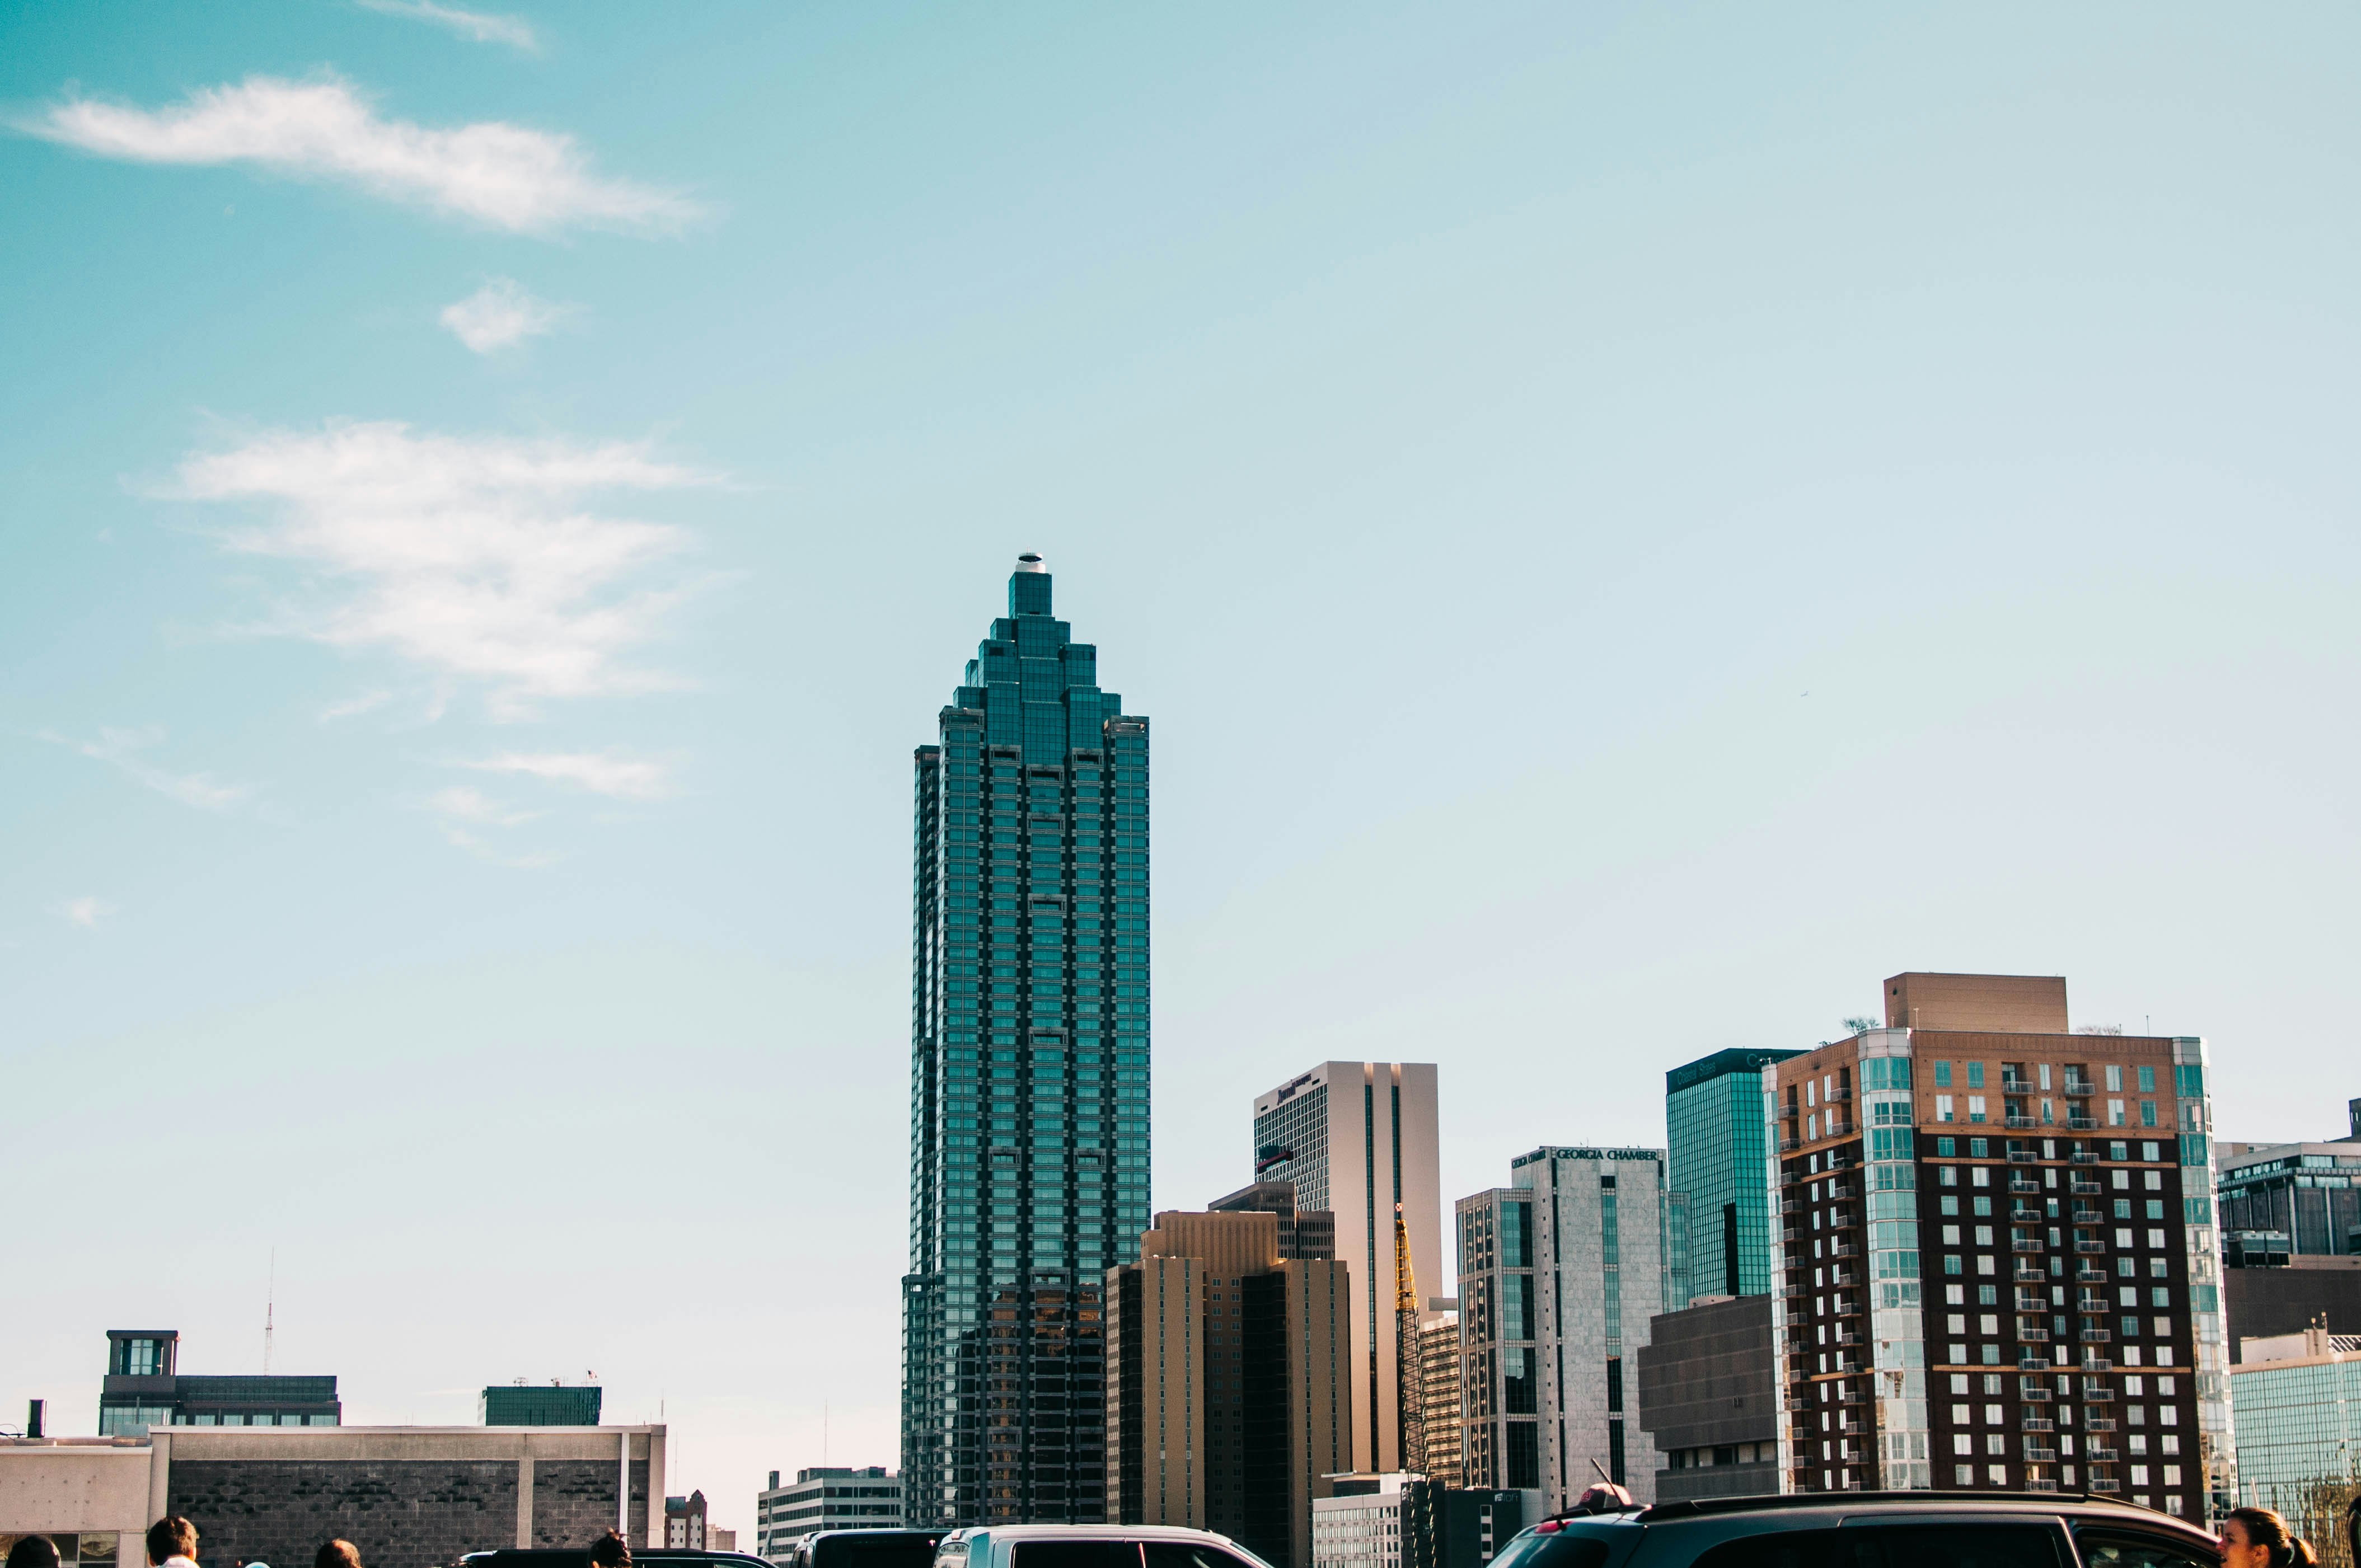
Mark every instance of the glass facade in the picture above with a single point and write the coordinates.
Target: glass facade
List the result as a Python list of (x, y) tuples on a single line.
[(2298, 1437), (1028, 1074), (1713, 1119)]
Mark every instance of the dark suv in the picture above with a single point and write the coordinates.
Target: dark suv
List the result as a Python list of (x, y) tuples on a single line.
[(1869, 1529)]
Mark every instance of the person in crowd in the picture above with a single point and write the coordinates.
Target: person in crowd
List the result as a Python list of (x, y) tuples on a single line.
[(172, 1542), (337, 1554), (2257, 1538), (34, 1551), (611, 1551)]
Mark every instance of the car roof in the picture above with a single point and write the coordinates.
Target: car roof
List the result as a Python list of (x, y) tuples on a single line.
[(1088, 1531), (2073, 1505)]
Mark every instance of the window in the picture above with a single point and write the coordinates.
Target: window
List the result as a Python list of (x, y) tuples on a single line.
[(1073, 1555), (1975, 1075), (2147, 1113), (1563, 1549), (2115, 1080), (1892, 1546), (2120, 1548), (1188, 1554), (2148, 1080), (1942, 1075)]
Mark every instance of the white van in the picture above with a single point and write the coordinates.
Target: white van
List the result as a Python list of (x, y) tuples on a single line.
[(1090, 1546)]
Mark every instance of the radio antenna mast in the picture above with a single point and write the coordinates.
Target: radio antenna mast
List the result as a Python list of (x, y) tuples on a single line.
[(269, 1306)]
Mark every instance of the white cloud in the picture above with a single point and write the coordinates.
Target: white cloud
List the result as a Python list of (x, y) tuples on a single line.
[(86, 912), (602, 773), (121, 748), (483, 27), (525, 181), (352, 706), (483, 852), (471, 556), (463, 803), (499, 315)]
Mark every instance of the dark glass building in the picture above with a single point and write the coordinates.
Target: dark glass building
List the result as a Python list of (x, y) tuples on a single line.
[(534, 1405), (145, 1387), (1028, 1075), (1713, 1119)]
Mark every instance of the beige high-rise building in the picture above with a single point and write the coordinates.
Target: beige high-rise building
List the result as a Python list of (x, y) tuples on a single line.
[(1438, 1384), (1229, 1398), (1356, 1138)]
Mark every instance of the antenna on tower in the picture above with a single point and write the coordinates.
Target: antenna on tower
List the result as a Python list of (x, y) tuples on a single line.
[(269, 1307)]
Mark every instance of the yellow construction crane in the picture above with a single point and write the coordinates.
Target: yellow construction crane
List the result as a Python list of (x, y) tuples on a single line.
[(1409, 1381)]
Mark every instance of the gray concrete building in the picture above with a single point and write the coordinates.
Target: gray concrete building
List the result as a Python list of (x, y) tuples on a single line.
[(842, 1498), (405, 1495), (1708, 1398), (1559, 1275)]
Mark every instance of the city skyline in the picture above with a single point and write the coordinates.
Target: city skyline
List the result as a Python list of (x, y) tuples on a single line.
[(1873, 487)]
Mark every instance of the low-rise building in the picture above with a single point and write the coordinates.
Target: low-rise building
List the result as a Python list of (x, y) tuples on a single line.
[(866, 1497), (403, 1495), (1401, 1521), (2291, 1219), (2296, 1408), (1439, 1391), (145, 1387), (1708, 1396), (685, 1522), (522, 1404)]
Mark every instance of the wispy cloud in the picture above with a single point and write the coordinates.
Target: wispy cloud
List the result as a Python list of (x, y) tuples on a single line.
[(499, 315), (471, 556), (483, 27), (510, 177), (602, 773), (353, 707), (463, 803), (86, 912), (121, 749)]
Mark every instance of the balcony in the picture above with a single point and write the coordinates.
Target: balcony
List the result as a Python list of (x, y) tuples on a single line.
[(1849, 1393), (2082, 1125), (2032, 1336), (2030, 1272), (2022, 1216), (1790, 1205), (2039, 1483), (2081, 1088), (2034, 1395), (2095, 1396), (2097, 1424), (2031, 1364), (2083, 1156), (1791, 1234), (2089, 1274), (1832, 1128), (1790, 1177), (1843, 1189), (1840, 1219), (2023, 1184), (2041, 1456), (2102, 1483), (2098, 1455), (2026, 1243), (2031, 1301), (1853, 1426), (2089, 1247), (2083, 1216), (1842, 1247), (2037, 1423), (2098, 1364), (2024, 1156), (2023, 1124), (2083, 1188)]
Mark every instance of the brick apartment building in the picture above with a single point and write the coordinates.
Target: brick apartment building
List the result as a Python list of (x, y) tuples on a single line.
[(1998, 1263)]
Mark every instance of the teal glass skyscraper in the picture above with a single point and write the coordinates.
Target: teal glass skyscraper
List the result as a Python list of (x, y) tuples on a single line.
[(1713, 1124), (1028, 1075)]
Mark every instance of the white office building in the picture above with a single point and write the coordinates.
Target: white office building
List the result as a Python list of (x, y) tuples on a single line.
[(825, 1498)]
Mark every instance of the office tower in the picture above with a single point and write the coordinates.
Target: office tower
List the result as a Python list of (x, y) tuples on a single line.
[(1028, 1074), (144, 1386), (1356, 1138), (524, 1404), (1398, 1520), (1998, 1260), (1303, 1233), (864, 1497), (1438, 1377), (1559, 1275), (2291, 1395), (1713, 1124), (1229, 1402), (1708, 1399), (2290, 1217)]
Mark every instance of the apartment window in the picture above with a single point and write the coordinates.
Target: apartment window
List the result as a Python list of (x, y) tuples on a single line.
[(2115, 1081), (1942, 1075), (2148, 1080), (1943, 1112), (1975, 1075), (1975, 1107), (2147, 1113), (2114, 1109)]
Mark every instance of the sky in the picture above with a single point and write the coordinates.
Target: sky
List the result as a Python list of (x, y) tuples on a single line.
[(1631, 524)]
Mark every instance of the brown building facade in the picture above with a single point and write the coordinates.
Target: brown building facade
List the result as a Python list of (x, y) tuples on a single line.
[(1229, 1390), (1999, 1266)]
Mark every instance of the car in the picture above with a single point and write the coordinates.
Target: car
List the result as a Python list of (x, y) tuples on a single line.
[(866, 1548), (1867, 1530), (579, 1557), (1090, 1546)]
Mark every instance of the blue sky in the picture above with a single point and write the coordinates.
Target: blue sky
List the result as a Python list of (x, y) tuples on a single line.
[(1632, 525)]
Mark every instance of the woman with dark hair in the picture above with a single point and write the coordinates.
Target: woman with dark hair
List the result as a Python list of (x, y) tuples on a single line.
[(337, 1554), (34, 1551), (2257, 1538), (611, 1551)]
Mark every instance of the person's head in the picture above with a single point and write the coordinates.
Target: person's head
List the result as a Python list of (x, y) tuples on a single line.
[(2257, 1538), (611, 1551), (34, 1551), (172, 1536), (337, 1554)]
